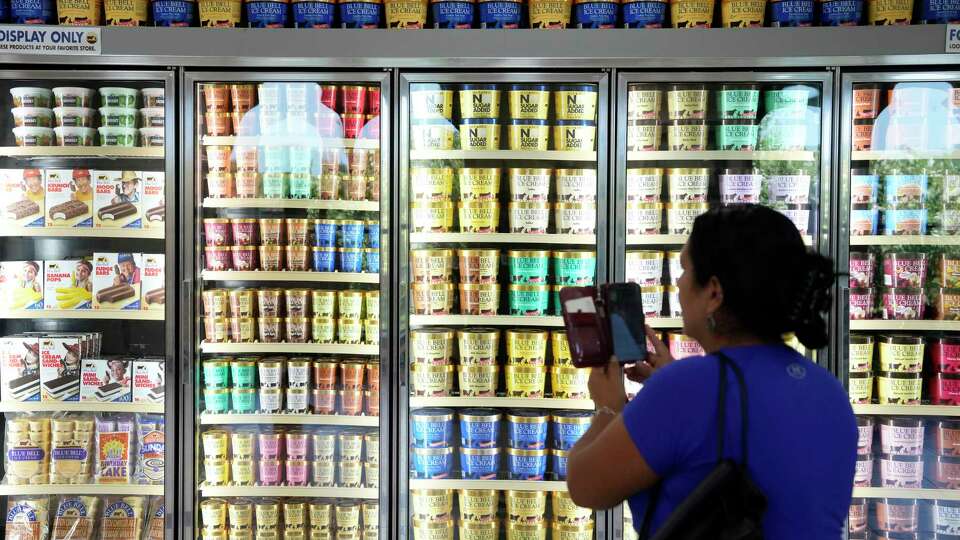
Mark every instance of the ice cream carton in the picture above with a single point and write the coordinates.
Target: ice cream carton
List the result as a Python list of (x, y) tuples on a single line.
[(117, 199), (154, 282), (60, 359), (116, 280), (69, 198), (23, 197), (106, 380), (68, 284)]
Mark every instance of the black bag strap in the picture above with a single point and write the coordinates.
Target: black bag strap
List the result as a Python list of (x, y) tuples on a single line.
[(724, 363)]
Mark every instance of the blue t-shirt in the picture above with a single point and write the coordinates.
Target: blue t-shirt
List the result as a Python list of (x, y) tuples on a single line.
[(802, 437)]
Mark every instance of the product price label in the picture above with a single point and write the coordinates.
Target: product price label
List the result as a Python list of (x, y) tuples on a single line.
[(953, 38)]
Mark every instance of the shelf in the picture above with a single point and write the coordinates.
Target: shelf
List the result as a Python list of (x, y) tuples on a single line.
[(82, 232), (721, 155), (665, 322), (80, 489), (908, 410), (76, 406), (903, 493), (124, 315), (309, 204), (513, 155), (316, 277), (888, 155), (502, 238), (516, 485), (291, 140), (906, 326), (505, 402), (288, 491), (86, 152), (916, 240), (636, 240), (485, 320), (291, 348), (208, 419)]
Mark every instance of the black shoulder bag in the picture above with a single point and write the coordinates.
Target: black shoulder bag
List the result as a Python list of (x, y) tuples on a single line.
[(726, 505)]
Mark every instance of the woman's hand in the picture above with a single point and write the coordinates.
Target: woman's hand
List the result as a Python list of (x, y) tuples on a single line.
[(657, 359), (606, 386)]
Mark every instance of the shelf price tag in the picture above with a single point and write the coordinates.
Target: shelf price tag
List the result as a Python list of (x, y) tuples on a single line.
[(49, 40), (953, 38)]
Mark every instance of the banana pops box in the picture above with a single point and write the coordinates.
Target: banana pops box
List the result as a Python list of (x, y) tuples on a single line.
[(21, 285), (68, 284)]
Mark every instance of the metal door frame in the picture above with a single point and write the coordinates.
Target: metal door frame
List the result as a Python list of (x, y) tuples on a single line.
[(601, 78), (191, 203)]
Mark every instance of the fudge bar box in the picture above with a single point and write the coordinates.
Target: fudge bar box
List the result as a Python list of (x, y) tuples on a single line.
[(116, 280), (21, 285), (116, 199), (154, 279), (20, 368), (69, 198), (23, 197), (68, 284), (148, 380), (60, 358), (154, 211), (106, 380)]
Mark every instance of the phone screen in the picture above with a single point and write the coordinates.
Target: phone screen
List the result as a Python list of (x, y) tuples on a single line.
[(625, 316)]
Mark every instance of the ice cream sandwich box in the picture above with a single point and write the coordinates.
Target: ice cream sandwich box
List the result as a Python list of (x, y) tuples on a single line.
[(69, 198), (116, 280), (60, 361), (154, 282), (21, 285), (154, 210), (148, 380), (106, 380), (68, 284), (23, 197), (20, 368), (117, 199)]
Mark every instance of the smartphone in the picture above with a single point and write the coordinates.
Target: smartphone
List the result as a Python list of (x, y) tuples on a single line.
[(624, 313), (586, 325)]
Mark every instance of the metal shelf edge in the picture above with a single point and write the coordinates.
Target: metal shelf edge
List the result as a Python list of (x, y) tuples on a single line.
[(318, 277), (208, 419)]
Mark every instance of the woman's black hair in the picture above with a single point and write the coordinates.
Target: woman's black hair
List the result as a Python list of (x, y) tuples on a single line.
[(772, 284)]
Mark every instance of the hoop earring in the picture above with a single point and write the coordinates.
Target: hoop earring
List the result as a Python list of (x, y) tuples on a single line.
[(711, 324)]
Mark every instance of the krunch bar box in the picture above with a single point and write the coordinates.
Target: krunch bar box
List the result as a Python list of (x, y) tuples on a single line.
[(20, 368), (116, 280), (148, 380), (68, 284), (69, 198), (23, 197), (116, 199), (60, 359), (154, 210), (154, 281), (106, 380), (21, 285)]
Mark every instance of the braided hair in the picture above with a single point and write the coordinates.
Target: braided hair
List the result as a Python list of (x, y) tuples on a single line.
[(772, 284)]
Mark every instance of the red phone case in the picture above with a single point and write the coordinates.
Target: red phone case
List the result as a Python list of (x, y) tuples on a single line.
[(587, 333)]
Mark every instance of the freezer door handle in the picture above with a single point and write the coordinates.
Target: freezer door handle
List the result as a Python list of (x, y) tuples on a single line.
[(186, 345)]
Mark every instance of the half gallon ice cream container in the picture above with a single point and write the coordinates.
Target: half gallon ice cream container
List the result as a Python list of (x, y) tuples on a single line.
[(575, 102), (505, 14), (479, 134), (526, 464), (529, 101), (527, 429), (432, 463), (479, 428), (645, 14), (479, 463)]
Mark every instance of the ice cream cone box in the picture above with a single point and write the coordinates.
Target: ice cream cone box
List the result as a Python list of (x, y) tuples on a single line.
[(68, 284), (117, 199), (60, 362), (21, 285), (148, 380), (68, 199), (23, 197), (153, 286), (117, 280), (106, 380), (20, 368), (153, 207)]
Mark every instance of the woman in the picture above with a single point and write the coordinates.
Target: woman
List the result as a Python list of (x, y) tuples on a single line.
[(747, 280)]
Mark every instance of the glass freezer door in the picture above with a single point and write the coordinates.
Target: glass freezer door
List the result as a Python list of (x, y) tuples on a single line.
[(688, 141), (900, 174), (86, 327), (288, 172), (503, 188)]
